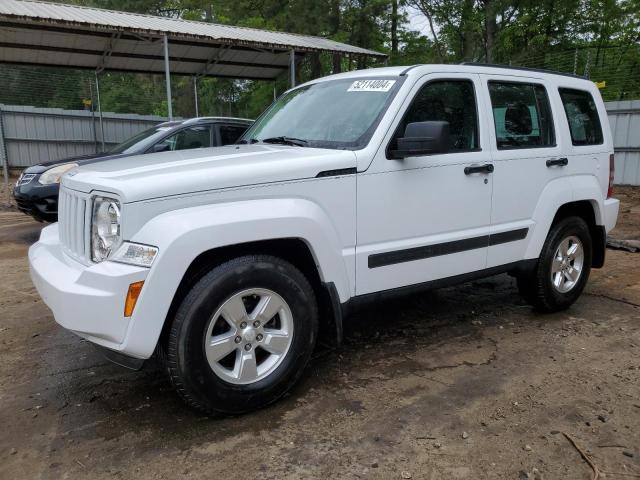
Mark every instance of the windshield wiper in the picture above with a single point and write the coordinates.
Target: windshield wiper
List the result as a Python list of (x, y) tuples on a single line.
[(298, 142)]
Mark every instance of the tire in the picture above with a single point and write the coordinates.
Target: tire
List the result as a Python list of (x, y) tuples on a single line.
[(553, 291), (212, 310)]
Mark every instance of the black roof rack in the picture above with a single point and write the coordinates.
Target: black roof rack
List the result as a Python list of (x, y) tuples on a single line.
[(526, 69)]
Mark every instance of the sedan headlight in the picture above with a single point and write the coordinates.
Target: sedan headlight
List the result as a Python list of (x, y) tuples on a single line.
[(54, 174), (106, 236)]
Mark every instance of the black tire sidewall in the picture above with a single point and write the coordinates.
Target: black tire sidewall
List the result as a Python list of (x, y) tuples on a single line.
[(195, 312), (552, 298)]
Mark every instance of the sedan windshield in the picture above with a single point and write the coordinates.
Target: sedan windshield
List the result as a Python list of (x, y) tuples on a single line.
[(138, 143), (334, 114)]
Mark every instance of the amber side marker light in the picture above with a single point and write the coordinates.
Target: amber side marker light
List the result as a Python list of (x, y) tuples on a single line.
[(132, 298)]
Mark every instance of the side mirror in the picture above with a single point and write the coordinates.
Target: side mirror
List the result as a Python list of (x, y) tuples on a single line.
[(161, 147), (423, 138)]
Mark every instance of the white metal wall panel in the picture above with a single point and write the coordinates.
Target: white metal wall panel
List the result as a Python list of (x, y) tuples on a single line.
[(35, 135), (624, 118)]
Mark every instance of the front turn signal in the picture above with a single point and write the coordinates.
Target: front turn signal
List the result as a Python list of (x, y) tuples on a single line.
[(132, 298)]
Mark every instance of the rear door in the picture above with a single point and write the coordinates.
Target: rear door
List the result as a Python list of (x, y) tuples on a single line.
[(527, 155), (589, 145)]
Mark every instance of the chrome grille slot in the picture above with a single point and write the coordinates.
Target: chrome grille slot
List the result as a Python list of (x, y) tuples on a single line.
[(72, 211)]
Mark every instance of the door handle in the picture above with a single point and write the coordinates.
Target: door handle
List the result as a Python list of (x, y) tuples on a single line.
[(558, 162), (487, 168)]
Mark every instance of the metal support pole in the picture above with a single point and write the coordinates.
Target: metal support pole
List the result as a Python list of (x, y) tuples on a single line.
[(5, 160), (587, 65), (93, 119), (100, 112), (292, 67), (167, 77), (274, 91), (195, 94)]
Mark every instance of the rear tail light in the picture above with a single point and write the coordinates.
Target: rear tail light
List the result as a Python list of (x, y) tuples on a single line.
[(612, 172)]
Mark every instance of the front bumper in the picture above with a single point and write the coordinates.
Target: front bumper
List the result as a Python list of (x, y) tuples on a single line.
[(39, 201), (86, 299)]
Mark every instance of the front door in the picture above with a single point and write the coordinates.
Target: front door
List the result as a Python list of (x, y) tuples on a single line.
[(426, 218)]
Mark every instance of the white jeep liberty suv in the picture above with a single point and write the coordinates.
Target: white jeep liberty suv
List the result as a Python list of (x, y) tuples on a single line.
[(230, 260)]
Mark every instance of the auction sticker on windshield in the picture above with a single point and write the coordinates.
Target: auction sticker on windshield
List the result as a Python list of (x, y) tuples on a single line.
[(371, 86)]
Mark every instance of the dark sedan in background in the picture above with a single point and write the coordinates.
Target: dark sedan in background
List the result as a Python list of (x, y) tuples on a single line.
[(36, 191)]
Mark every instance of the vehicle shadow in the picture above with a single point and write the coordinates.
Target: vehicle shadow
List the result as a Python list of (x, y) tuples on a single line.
[(98, 400)]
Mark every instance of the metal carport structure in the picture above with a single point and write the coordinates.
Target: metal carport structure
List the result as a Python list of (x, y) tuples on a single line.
[(48, 34)]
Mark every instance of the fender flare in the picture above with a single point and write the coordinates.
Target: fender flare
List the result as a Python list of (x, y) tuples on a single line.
[(182, 235), (557, 193)]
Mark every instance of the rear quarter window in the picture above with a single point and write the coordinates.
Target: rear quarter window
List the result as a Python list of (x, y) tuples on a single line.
[(582, 115)]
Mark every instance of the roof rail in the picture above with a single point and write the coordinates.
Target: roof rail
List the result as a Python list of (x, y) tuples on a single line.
[(525, 69), (190, 121)]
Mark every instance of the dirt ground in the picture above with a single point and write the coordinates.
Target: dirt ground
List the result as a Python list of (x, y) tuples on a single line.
[(464, 382)]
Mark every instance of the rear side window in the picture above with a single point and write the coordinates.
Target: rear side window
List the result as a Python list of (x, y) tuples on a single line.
[(522, 115), (582, 115), (452, 101), (230, 133)]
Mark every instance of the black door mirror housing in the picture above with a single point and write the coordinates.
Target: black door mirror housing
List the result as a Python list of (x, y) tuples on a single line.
[(161, 147), (423, 138)]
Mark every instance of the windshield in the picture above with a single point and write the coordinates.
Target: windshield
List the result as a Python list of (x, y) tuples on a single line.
[(333, 114), (141, 141)]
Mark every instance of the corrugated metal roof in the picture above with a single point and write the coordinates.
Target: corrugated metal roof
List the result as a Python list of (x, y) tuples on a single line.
[(94, 18)]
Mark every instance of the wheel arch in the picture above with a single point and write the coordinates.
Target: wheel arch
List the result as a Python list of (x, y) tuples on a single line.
[(294, 250), (577, 196), (297, 230), (586, 209)]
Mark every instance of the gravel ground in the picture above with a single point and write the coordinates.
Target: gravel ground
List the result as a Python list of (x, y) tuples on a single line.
[(463, 382)]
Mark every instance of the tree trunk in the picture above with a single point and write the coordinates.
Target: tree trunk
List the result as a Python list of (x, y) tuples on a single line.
[(436, 41), (394, 27), (468, 32), (334, 18), (490, 30)]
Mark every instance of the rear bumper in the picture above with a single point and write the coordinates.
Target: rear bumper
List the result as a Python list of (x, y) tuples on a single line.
[(611, 207), (88, 300)]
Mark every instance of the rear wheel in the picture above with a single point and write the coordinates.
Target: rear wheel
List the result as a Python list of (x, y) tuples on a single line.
[(563, 268), (243, 335)]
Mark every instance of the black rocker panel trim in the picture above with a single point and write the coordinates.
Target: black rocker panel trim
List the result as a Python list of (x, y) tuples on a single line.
[(419, 253), (362, 301)]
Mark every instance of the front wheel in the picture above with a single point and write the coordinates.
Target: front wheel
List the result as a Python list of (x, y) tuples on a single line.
[(243, 335), (562, 270)]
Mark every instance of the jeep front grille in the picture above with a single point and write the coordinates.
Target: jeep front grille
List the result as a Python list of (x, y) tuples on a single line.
[(73, 222)]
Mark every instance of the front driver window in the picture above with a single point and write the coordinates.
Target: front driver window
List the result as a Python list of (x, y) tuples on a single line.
[(187, 138), (451, 101)]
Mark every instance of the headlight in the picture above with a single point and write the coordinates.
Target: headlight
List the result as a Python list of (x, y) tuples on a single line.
[(53, 174), (105, 228), (135, 254)]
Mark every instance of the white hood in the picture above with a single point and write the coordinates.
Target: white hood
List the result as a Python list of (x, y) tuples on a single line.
[(157, 175)]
